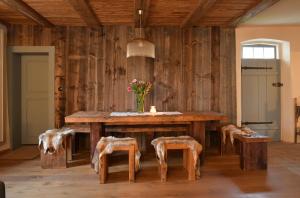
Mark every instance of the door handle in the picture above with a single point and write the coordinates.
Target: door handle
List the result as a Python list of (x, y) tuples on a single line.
[(246, 123), (278, 84)]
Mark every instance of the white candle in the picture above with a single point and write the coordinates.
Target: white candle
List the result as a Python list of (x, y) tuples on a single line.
[(152, 109)]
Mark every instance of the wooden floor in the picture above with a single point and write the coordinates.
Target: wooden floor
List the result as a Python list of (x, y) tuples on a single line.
[(221, 177)]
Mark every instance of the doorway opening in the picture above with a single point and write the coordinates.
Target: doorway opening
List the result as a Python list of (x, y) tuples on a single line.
[(260, 69), (31, 93)]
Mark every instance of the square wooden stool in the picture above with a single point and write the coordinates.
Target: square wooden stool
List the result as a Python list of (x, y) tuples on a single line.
[(190, 159), (109, 145), (103, 165)]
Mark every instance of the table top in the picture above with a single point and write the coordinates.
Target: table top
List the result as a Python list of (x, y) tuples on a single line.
[(97, 116)]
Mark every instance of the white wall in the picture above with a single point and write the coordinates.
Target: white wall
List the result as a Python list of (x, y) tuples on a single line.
[(281, 13), (289, 40)]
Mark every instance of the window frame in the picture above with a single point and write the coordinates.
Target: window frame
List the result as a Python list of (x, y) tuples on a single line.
[(276, 56)]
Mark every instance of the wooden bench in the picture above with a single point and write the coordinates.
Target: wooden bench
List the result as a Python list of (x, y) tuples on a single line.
[(227, 146), (253, 151), (59, 159)]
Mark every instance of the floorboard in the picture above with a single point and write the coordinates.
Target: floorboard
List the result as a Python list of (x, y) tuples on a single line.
[(221, 177)]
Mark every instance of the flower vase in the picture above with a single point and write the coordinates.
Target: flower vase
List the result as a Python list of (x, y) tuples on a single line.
[(140, 103)]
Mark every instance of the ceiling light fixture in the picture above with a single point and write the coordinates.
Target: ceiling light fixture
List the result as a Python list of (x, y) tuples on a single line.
[(140, 46)]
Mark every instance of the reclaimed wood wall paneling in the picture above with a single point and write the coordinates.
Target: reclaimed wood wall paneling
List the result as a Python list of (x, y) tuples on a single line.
[(194, 69)]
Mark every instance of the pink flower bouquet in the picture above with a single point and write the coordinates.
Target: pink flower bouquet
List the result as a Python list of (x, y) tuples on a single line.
[(141, 89)]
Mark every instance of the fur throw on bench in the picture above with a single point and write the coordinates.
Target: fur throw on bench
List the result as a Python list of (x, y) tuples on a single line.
[(232, 129), (52, 140)]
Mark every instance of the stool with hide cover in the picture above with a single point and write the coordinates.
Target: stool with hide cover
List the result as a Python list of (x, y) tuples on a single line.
[(108, 145), (191, 151), (228, 143), (56, 148)]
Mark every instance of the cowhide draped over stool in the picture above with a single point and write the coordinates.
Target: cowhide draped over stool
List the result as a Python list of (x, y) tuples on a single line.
[(55, 147), (108, 145), (191, 151)]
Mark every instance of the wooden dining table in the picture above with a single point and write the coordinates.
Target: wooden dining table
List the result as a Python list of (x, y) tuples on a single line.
[(99, 121)]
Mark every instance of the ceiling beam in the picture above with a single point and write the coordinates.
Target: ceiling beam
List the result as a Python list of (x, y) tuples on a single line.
[(264, 4), (27, 11), (84, 9), (141, 5), (198, 13)]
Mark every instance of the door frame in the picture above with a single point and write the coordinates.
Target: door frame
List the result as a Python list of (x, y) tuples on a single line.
[(278, 77), (50, 51), (287, 125)]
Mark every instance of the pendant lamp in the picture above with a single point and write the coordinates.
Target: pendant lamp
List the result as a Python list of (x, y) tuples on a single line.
[(140, 46)]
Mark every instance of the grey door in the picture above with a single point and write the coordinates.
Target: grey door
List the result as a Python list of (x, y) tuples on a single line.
[(261, 96)]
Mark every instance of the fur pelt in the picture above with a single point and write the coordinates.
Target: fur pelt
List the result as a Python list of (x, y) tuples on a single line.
[(51, 141)]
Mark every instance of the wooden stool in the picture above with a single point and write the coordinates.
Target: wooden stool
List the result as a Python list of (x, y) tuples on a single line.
[(188, 161), (179, 143), (60, 158), (123, 144), (103, 165)]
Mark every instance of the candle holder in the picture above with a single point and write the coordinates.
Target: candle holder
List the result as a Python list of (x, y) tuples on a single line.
[(152, 109)]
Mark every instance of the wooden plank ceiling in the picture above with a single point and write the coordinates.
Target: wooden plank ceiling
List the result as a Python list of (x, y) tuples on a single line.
[(92, 13)]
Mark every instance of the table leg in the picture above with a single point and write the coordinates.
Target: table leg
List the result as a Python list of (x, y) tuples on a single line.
[(198, 132), (97, 131)]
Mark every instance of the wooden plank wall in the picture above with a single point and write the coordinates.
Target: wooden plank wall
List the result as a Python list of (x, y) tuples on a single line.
[(194, 69)]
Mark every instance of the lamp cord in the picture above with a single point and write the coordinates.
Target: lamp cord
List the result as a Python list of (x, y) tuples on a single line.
[(140, 13)]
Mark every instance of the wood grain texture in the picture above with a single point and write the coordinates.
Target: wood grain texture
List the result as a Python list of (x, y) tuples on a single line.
[(173, 12), (92, 71), (143, 5), (60, 158), (221, 177), (198, 12), (215, 68), (254, 156), (58, 12), (160, 12), (196, 129), (27, 11), (110, 12), (9, 15), (95, 136), (85, 11), (104, 117)]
